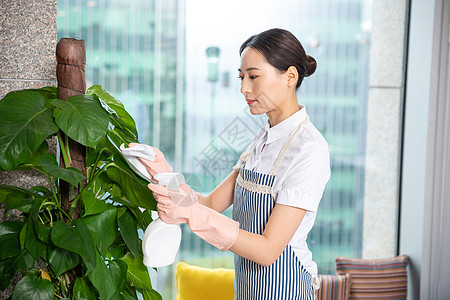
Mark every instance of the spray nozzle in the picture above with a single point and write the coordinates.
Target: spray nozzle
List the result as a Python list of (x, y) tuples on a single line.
[(170, 180)]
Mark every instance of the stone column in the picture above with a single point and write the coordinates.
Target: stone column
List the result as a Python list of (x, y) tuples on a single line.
[(384, 128), (27, 55)]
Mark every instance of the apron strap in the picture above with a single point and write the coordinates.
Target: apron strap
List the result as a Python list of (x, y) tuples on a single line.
[(246, 155), (286, 146)]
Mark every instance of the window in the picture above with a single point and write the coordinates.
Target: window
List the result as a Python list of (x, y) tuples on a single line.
[(174, 66)]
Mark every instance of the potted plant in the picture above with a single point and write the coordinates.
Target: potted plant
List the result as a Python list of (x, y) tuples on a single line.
[(91, 250)]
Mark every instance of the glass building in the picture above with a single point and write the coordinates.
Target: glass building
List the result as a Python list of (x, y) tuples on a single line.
[(174, 66)]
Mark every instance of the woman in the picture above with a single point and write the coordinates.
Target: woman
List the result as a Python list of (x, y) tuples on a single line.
[(276, 186)]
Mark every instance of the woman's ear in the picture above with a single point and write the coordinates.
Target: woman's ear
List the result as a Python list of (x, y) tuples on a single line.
[(292, 76)]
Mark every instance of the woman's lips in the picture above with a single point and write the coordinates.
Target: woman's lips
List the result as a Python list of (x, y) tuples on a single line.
[(250, 101)]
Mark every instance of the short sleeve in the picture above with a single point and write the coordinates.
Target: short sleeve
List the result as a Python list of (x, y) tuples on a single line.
[(306, 179)]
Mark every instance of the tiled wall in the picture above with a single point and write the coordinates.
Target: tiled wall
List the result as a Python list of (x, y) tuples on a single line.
[(28, 42), (27, 55)]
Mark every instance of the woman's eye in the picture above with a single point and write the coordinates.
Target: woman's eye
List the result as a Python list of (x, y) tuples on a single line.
[(251, 77)]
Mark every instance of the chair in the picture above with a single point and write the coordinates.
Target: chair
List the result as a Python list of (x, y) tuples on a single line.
[(375, 278), (198, 283), (334, 287)]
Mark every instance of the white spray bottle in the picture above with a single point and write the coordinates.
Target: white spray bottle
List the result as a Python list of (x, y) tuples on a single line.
[(161, 241)]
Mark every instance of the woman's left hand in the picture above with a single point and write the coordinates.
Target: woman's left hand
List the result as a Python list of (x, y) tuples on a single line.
[(174, 207), (182, 206), (159, 165)]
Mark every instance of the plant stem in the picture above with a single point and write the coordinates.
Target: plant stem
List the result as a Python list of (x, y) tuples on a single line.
[(55, 196), (68, 148), (65, 156), (53, 189), (74, 203), (103, 194), (51, 218), (97, 194), (42, 221), (95, 164), (55, 205)]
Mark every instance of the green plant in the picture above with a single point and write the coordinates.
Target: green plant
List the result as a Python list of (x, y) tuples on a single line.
[(97, 255)]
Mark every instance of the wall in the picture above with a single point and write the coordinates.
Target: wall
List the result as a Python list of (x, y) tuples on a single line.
[(27, 52), (27, 55), (425, 209), (415, 136), (435, 272)]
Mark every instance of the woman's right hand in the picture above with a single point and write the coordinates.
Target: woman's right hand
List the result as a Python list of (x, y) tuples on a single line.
[(160, 165)]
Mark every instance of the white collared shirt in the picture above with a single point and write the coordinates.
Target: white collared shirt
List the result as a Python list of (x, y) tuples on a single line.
[(301, 177)]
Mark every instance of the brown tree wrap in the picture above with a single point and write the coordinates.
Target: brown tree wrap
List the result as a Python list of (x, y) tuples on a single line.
[(71, 60), (70, 73)]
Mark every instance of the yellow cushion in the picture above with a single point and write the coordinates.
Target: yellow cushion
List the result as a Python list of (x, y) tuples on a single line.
[(197, 283)]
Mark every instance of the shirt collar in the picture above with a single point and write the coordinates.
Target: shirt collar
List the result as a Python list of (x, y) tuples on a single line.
[(286, 126)]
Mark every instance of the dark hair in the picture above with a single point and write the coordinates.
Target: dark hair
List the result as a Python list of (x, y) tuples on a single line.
[(282, 50)]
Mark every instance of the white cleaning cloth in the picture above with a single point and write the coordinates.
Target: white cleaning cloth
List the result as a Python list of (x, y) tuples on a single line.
[(131, 155)]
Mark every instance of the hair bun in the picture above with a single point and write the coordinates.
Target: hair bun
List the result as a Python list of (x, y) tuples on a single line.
[(311, 65)]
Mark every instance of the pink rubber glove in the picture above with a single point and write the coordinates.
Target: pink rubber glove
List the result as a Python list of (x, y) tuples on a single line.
[(154, 167), (175, 207)]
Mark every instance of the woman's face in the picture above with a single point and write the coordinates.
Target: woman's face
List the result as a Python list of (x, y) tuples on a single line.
[(265, 88)]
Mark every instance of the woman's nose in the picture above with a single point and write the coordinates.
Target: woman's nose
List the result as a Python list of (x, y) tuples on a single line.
[(245, 87)]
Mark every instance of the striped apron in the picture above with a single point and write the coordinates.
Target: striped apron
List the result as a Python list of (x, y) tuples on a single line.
[(286, 278)]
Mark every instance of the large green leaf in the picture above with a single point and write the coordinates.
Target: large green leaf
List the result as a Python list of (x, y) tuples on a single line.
[(9, 238), (14, 202), (34, 161), (128, 230), (102, 278), (49, 92), (123, 117), (25, 122), (82, 118), (151, 295), (117, 251), (23, 236), (103, 227), (129, 293), (123, 295), (43, 191), (33, 288), (119, 271), (70, 175), (123, 136), (32, 243), (93, 205), (9, 267), (134, 188), (34, 236), (5, 190), (105, 182), (76, 238), (111, 144), (61, 259), (82, 288), (92, 154), (137, 273), (43, 232), (144, 218)]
